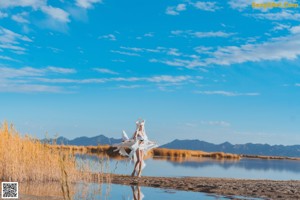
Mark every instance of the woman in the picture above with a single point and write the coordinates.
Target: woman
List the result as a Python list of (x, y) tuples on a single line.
[(139, 146)]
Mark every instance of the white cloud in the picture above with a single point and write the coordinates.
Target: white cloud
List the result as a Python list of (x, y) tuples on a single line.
[(199, 34), (7, 72), (3, 15), (12, 47), (216, 123), (277, 16), (125, 53), (174, 10), (181, 7), (171, 10), (21, 17), (57, 17), (22, 3), (152, 79), (200, 5), (207, 6), (8, 58), (56, 13), (87, 3), (130, 86), (226, 93), (60, 70), (239, 4), (203, 49), (105, 71), (149, 34), (169, 79), (274, 49), (109, 37), (11, 41), (28, 88), (279, 27), (295, 29), (297, 84)]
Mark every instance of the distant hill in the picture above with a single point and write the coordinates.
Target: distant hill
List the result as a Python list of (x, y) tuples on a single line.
[(87, 141), (249, 148)]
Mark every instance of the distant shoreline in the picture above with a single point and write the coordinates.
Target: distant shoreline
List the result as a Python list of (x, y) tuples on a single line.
[(270, 157), (171, 153)]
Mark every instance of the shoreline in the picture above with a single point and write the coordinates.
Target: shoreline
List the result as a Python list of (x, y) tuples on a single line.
[(170, 153), (228, 187)]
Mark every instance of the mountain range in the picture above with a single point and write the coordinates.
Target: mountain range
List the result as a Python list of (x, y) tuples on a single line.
[(248, 149), (86, 141)]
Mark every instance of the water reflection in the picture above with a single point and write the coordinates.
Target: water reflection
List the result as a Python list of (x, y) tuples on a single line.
[(206, 167), (249, 164), (136, 193)]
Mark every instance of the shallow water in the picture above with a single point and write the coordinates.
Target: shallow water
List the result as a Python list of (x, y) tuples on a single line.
[(205, 167), (98, 191), (122, 192)]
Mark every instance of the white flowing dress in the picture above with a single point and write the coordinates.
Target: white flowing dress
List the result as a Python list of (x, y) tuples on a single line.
[(141, 142)]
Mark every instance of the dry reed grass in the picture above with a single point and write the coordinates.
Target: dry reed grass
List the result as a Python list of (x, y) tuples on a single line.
[(173, 153), (27, 159), (23, 158)]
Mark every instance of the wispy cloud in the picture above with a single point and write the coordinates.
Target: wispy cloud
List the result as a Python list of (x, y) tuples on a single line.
[(199, 34), (22, 3), (56, 13), (210, 123), (130, 86), (206, 5), (297, 84), (150, 34), (239, 4), (11, 41), (108, 37), (3, 15), (29, 88), (164, 50), (277, 48), (200, 5), (7, 72), (21, 17), (216, 123), (174, 10), (57, 18), (105, 71), (87, 3), (8, 58), (60, 70), (277, 16), (125, 53), (227, 93), (152, 79)]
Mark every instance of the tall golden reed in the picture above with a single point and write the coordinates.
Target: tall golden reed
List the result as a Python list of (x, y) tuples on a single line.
[(23, 158)]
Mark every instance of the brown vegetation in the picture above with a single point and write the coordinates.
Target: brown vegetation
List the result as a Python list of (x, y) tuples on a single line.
[(23, 158), (163, 152)]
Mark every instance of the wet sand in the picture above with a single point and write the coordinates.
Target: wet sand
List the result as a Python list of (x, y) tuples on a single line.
[(267, 189)]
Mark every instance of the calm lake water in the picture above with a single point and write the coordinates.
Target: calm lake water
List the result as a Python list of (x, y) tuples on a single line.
[(96, 191), (244, 168), (122, 192)]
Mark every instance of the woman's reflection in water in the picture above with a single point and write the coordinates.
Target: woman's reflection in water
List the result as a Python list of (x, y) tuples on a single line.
[(136, 192)]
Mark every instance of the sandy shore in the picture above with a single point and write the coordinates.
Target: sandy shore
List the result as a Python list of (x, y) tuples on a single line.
[(267, 189)]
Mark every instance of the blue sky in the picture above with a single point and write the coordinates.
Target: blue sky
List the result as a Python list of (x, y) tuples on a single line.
[(210, 70)]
